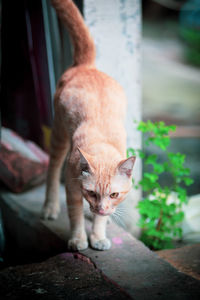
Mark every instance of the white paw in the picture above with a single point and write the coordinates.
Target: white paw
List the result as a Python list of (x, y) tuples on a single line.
[(50, 212), (102, 245), (77, 244)]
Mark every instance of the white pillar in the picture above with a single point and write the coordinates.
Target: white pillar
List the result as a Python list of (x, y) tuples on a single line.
[(116, 28)]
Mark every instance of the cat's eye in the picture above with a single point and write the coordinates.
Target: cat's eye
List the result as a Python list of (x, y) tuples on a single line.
[(114, 195), (92, 194)]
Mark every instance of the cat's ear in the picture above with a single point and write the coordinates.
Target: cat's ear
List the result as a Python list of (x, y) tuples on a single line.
[(85, 165), (125, 167)]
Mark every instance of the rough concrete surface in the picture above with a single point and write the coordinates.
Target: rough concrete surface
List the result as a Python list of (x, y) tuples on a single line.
[(65, 276), (185, 259), (141, 272)]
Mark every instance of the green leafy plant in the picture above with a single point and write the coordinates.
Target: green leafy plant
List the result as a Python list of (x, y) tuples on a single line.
[(161, 208)]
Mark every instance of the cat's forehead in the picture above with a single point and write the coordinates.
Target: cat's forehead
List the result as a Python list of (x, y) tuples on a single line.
[(88, 182), (119, 183)]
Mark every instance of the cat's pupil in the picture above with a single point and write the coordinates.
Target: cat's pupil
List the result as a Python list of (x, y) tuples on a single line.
[(114, 195)]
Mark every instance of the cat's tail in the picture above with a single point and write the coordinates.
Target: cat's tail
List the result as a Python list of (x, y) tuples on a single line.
[(84, 48)]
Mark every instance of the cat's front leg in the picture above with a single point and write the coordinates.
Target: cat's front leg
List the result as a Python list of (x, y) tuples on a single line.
[(98, 239), (78, 240)]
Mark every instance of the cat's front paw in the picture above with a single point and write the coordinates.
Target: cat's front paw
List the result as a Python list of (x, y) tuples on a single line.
[(99, 244), (50, 212), (77, 244)]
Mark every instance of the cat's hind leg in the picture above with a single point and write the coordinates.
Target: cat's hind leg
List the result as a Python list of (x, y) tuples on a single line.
[(98, 239), (59, 147)]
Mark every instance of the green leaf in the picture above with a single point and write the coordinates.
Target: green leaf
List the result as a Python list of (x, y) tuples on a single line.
[(178, 217), (172, 127), (149, 183), (158, 168), (130, 152), (152, 177), (161, 142), (143, 127), (177, 159), (177, 232), (151, 159), (181, 193), (141, 154), (188, 181)]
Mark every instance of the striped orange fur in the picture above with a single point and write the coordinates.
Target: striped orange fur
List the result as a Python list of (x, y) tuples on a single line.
[(88, 128)]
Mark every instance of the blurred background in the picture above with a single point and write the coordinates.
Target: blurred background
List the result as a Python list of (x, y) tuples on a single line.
[(171, 74)]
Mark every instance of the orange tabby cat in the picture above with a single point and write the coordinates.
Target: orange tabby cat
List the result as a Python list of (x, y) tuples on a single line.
[(88, 128)]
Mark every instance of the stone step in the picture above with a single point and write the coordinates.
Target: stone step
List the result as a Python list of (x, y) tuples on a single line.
[(185, 259), (65, 276), (141, 273)]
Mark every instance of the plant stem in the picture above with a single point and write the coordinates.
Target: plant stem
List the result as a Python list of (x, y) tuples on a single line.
[(159, 221)]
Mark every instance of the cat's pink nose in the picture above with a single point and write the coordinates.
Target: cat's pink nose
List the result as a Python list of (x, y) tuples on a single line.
[(103, 212)]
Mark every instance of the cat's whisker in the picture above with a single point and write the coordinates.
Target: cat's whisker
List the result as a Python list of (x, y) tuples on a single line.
[(118, 217), (113, 218), (120, 211), (121, 208), (118, 220)]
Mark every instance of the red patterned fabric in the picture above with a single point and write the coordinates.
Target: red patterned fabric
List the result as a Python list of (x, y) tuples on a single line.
[(19, 173)]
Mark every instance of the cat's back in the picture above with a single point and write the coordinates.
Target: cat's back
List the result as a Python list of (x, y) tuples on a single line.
[(90, 90)]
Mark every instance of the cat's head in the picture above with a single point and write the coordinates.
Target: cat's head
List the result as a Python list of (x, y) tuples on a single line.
[(105, 185)]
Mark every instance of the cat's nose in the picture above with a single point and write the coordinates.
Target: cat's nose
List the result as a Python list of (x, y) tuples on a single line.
[(102, 211)]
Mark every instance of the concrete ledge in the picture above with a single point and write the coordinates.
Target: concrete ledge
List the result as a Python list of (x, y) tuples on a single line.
[(61, 277), (185, 259), (131, 265)]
